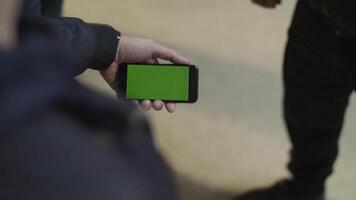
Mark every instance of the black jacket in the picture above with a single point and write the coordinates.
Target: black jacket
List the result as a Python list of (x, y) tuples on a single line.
[(341, 12), (59, 140), (89, 45)]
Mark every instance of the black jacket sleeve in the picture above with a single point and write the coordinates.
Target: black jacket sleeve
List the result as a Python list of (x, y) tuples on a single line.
[(90, 45), (60, 140)]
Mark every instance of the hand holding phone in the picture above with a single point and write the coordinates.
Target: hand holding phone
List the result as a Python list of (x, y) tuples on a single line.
[(138, 50)]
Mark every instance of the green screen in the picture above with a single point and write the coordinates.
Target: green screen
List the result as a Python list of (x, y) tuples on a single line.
[(162, 82)]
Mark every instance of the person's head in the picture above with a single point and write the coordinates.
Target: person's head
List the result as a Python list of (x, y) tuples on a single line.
[(9, 11)]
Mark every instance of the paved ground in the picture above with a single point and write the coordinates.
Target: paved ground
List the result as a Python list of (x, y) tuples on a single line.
[(233, 139)]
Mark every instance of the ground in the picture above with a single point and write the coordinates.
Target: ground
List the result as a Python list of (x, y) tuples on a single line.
[(234, 138)]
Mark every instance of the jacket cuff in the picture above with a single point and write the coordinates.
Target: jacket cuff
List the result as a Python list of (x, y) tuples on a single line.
[(106, 46)]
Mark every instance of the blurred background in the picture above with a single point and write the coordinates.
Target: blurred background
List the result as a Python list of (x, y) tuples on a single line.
[(234, 138)]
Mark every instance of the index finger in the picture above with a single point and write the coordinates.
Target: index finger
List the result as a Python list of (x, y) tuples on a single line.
[(171, 55)]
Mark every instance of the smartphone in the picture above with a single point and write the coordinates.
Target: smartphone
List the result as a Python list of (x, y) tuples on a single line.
[(167, 82)]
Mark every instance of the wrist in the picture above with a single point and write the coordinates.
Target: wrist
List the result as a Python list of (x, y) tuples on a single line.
[(106, 46), (119, 52)]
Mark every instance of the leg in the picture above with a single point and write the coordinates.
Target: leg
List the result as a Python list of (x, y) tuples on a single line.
[(314, 105), (317, 84)]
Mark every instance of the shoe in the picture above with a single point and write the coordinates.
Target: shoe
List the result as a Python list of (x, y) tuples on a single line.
[(280, 191)]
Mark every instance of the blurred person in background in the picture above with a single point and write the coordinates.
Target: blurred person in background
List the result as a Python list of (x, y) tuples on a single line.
[(98, 46), (58, 139), (319, 77)]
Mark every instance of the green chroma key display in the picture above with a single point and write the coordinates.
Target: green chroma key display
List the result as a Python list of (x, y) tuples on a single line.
[(157, 82)]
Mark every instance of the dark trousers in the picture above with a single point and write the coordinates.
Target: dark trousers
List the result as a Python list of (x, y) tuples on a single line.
[(318, 79)]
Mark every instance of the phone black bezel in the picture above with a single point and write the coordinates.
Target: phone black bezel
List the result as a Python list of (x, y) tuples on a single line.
[(193, 81)]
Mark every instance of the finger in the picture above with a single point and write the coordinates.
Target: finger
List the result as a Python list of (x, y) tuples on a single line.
[(136, 102), (271, 3), (146, 104), (153, 61), (157, 105), (109, 74), (260, 2), (267, 3), (169, 54), (171, 107)]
